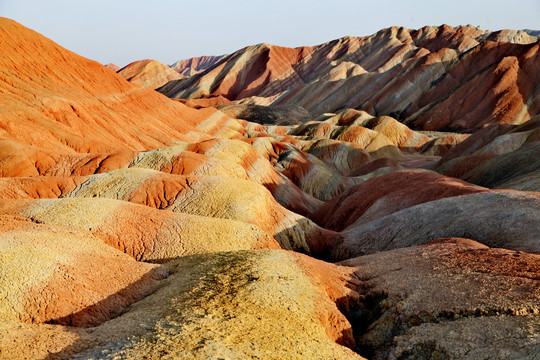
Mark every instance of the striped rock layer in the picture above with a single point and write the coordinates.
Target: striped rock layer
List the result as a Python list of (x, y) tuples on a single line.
[(416, 76), (134, 226)]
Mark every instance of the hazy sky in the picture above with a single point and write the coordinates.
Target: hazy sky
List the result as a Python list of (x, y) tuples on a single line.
[(122, 31)]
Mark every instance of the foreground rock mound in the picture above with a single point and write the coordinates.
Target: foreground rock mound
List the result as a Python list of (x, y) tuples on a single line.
[(144, 233), (209, 196), (266, 304), (56, 275), (452, 299)]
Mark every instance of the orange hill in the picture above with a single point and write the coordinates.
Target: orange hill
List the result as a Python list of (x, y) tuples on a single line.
[(57, 100)]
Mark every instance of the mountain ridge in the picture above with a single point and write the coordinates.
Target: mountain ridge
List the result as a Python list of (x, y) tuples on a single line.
[(363, 72)]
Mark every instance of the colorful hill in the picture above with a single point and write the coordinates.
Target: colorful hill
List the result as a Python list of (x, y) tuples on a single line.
[(149, 73), (135, 226), (416, 76)]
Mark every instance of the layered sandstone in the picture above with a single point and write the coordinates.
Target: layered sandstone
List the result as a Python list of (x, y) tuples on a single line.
[(136, 226), (414, 75)]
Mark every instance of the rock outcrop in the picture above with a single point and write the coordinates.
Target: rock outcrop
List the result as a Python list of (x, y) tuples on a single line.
[(503, 157), (503, 219), (234, 304), (59, 276), (113, 67), (453, 299), (141, 232), (387, 194), (64, 103)]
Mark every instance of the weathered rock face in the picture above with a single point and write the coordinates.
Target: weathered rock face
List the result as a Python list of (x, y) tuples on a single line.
[(414, 75), (55, 275), (149, 73), (256, 63), (134, 226), (216, 197), (453, 298), (143, 233), (61, 102), (387, 194), (503, 157)]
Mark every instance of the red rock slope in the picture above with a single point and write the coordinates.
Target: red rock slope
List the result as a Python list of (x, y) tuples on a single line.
[(53, 99), (113, 67)]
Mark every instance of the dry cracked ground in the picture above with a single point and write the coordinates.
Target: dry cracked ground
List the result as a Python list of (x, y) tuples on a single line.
[(384, 206)]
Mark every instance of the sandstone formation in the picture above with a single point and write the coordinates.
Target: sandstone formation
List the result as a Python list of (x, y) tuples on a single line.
[(143, 233), (387, 194), (55, 275), (235, 304), (216, 197), (137, 226), (72, 108), (502, 157), (503, 219)]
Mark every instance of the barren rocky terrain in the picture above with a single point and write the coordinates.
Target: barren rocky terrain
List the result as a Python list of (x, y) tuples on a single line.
[(368, 198)]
